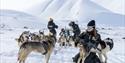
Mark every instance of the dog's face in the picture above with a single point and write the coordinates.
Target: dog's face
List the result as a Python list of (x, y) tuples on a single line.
[(41, 32), (108, 40), (17, 39), (23, 37)]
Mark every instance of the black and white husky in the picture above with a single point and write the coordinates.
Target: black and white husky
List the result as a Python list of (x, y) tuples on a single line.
[(105, 46), (102, 49)]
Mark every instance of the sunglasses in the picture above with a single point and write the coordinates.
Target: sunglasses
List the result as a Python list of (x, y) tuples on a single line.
[(90, 28)]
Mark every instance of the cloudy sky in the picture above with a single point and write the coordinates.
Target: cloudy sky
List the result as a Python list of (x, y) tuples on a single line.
[(117, 6)]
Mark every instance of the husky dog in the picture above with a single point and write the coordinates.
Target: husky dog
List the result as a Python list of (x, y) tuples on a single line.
[(43, 47), (37, 36), (64, 37), (23, 37), (72, 41), (105, 46), (65, 41), (102, 49), (27, 36), (62, 40)]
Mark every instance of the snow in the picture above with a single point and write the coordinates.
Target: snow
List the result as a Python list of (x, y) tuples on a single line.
[(9, 47), (81, 10), (18, 5), (13, 28), (116, 6), (35, 18), (9, 18), (53, 7)]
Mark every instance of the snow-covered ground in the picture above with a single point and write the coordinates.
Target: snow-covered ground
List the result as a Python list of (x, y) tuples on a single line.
[(9, 48), (12, 25)]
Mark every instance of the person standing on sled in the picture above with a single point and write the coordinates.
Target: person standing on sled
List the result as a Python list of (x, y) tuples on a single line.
[(90, 39), (76, 30), (52, 26)]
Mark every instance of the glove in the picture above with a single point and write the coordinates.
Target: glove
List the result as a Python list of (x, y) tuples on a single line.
[(56, 26)]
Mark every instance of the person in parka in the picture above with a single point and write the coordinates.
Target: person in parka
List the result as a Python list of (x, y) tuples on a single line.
[(52, 26), (65, 33), (62, 33), (76, 30), (90, 39)]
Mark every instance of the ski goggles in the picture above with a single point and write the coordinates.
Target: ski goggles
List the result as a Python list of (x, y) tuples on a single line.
[(90, 28)]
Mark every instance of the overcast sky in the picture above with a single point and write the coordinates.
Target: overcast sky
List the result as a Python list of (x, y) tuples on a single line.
[(19, 5), (117, 6)]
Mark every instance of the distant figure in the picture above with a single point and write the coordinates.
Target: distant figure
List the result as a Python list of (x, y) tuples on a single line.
[(63, 32), (62, 38), (51, 26), (76, 30)]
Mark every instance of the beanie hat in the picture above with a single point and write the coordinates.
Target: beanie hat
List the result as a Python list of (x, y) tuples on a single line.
[(71, 23), (91, 23)]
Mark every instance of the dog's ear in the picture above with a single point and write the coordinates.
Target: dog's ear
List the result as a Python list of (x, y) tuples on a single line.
[(108, 38), (112, 40)]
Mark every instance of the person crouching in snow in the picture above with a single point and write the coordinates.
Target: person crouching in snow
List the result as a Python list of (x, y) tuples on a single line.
[(91, 39)]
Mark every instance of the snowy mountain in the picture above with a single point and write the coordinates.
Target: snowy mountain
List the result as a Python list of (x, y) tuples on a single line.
[(81, 10), (116, 6), (77, 10), (15, 19)]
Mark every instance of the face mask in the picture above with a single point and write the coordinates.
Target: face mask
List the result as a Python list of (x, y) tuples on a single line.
[(90, 28)]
